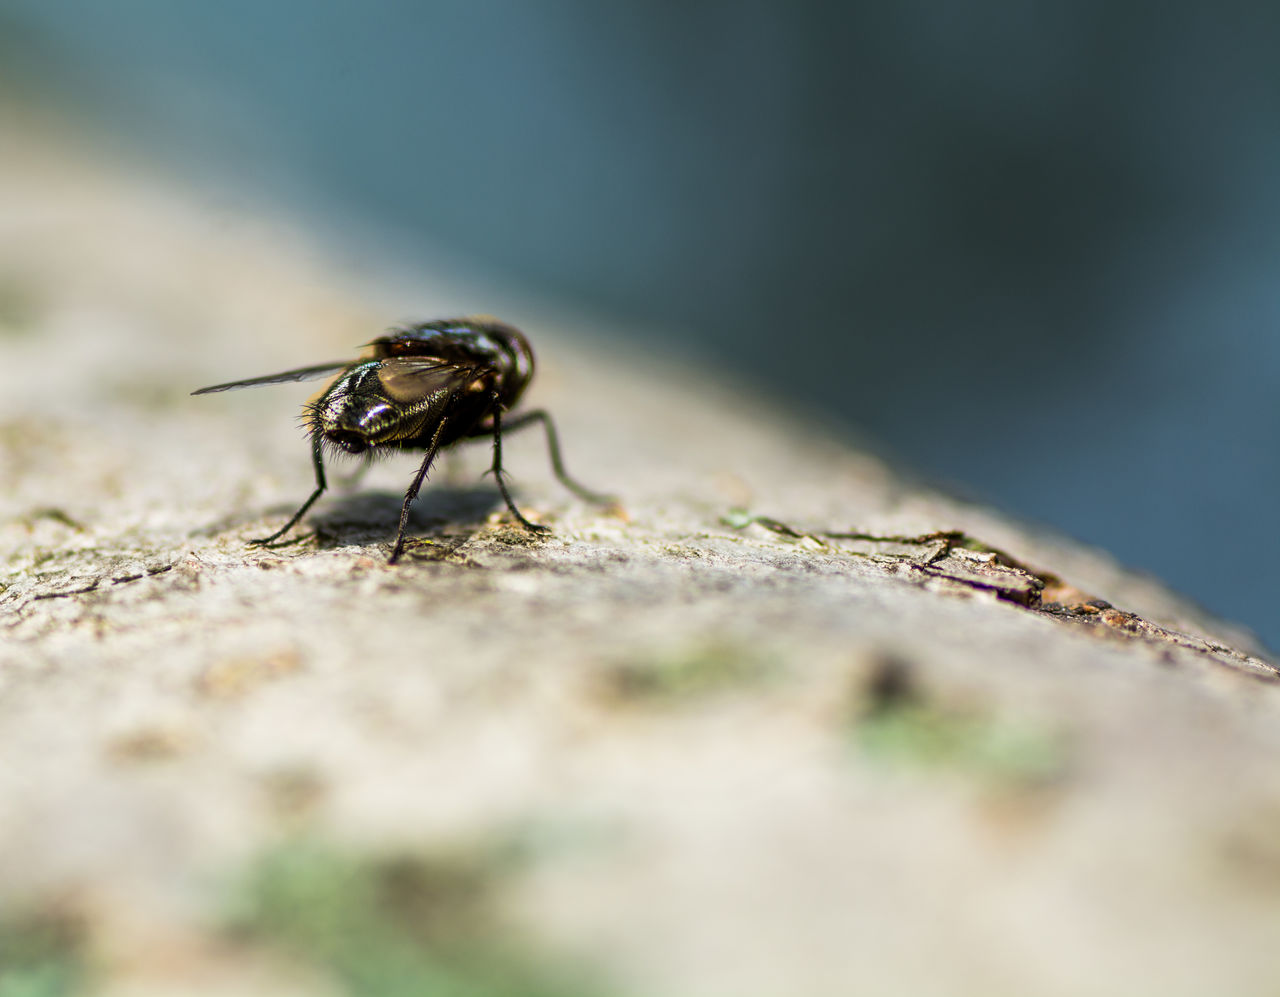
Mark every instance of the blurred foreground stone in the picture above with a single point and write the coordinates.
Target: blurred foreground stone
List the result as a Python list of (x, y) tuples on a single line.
[(795, 725)]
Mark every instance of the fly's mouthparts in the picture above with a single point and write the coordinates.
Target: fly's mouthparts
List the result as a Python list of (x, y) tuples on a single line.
[(351, 442)]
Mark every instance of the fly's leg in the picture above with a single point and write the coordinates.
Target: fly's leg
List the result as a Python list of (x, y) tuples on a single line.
[(557, 463), (414, 486), (497, 470), (318, 463)]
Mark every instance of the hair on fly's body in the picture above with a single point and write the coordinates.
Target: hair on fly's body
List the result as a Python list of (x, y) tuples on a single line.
[(424, 388)]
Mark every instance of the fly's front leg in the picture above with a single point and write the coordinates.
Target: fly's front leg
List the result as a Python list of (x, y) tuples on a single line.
[(414, 486), (497, 470), (318, 462)]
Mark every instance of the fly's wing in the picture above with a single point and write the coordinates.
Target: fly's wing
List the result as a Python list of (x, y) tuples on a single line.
[(301, 374), (458, 341), (431, 339), (416, 379)]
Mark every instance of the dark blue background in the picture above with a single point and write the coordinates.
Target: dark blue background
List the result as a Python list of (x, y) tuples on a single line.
[(1054, 226)]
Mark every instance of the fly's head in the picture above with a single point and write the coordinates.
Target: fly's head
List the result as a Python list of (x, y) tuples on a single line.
[(356, 413)]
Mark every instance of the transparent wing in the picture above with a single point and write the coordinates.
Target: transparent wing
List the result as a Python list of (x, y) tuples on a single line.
[(420, 339), (414, 379), (458, 341), (301, 374)]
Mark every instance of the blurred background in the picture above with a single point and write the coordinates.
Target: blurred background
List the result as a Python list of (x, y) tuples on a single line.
[(1030, 247)]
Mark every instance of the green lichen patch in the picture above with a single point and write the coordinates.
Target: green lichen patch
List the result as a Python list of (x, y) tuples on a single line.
[(687, 673), (21, 307), (41, 955), (896, 724), (394, 926), (737, 519)]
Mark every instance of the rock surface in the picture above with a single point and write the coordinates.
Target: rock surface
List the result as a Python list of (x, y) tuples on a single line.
[(792, 723)]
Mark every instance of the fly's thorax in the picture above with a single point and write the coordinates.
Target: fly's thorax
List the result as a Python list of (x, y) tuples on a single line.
[(475, 344)]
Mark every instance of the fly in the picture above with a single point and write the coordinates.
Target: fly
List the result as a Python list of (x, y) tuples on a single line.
[(424, 387)]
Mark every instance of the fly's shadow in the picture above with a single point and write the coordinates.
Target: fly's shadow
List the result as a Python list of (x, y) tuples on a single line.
[(444, 511)]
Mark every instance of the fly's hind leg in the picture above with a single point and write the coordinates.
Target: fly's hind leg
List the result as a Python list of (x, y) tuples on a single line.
[(557, 462)]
